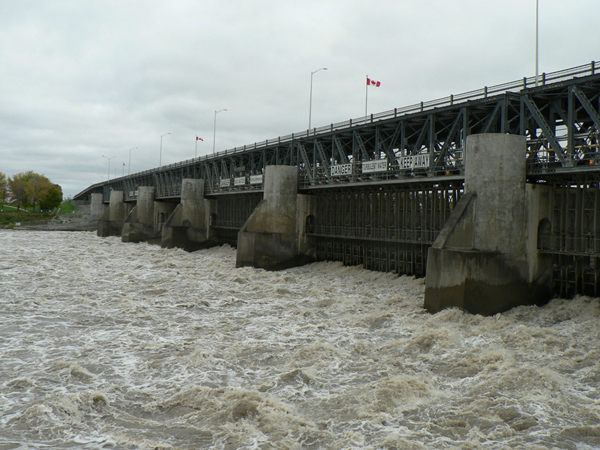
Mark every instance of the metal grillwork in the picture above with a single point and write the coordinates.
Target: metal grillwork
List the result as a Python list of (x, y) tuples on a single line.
[(233, 212), (572, 239), (560, 119), (383, 228)]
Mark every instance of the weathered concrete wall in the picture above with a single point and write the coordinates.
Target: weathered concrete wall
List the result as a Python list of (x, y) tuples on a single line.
[(269, 238), (139, 223), (111, 221), (485, 260), (97, 206), (188, 226)]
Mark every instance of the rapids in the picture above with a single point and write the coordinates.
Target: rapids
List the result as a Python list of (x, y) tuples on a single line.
[(106, 345)]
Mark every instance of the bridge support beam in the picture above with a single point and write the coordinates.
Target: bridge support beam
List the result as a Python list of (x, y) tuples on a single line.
[(486, 258), (188, 227), (111, 221), (269, 239)]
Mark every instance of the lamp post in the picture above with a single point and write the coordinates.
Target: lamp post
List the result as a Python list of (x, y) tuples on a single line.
[(537, 22), (160, 157), (129, 164), (215, 128), (108, 176), (310, 103)]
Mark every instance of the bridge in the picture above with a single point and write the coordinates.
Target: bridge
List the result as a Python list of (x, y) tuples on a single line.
[(379, 190)]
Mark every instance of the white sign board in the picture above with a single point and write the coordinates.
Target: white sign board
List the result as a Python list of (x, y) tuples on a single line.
[(225, 182), (341, 169), (379, 165), (239, 181), (414, 162), (256, 179)]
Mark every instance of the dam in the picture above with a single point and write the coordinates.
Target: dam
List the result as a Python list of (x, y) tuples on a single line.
[(492, 194)]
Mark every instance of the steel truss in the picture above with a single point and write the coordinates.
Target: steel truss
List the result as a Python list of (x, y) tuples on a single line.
[(560, 119)]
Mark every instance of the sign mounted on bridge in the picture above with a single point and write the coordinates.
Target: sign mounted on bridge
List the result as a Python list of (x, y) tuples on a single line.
[(379, 165), (414, 162), (341, 169), (225, 182), (256, 179), (239, 181)]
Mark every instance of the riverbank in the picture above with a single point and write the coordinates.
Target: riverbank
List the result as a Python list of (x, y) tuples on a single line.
[(67, 218)]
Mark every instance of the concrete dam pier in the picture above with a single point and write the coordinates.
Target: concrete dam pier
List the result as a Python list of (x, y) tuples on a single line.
[(485, 258)]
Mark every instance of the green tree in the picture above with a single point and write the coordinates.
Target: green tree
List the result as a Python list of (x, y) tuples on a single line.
[(18, 185), (33, 189), (3, 187), (54, 197), (36, 188)]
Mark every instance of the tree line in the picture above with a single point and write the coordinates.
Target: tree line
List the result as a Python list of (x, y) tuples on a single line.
[(30, 189)]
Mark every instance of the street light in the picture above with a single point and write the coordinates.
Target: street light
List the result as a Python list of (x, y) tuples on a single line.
[(108, 177), (310, 104), (537, 21), (215, 128), (160, 157), (129, 165)]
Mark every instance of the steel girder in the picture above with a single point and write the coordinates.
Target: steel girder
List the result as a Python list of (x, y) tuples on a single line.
[(561, 122)]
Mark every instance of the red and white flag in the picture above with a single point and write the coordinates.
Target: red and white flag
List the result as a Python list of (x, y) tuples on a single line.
[(373, 82), (199, 139)]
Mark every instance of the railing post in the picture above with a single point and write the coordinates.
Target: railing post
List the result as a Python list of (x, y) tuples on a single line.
[(421, 106), (485, 92), (524, 82), (593, 67), (544, 79)]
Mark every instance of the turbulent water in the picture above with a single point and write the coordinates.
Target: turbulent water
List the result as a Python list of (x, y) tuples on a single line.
[(130, 346)]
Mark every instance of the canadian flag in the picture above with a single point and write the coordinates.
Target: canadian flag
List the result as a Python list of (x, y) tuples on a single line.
[(373, 82), (199, 139)]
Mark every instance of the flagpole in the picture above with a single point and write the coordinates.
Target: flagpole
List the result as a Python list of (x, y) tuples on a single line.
[(366, 94), (196, 151)]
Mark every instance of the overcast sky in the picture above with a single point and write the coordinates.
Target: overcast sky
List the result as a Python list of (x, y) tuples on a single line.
[(85, 78)]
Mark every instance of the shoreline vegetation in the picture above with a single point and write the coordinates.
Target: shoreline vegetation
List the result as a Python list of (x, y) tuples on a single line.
[(13, 218)]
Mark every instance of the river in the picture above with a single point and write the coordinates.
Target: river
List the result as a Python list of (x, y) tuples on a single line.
[(106, 345)]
